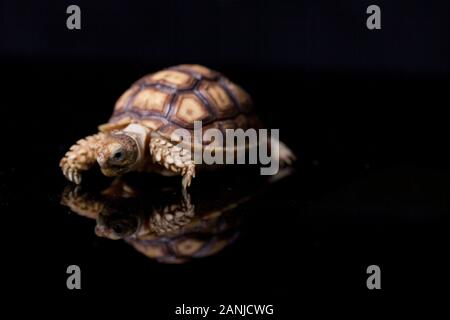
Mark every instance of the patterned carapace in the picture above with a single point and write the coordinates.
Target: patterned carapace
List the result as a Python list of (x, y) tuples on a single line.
[(178, 96)]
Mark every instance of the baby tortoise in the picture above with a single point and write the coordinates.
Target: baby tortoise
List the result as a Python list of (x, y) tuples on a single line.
[(139, 136)]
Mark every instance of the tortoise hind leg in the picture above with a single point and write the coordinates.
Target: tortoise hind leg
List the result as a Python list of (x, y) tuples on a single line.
[(81, 157), (287, 157), (173, 158)]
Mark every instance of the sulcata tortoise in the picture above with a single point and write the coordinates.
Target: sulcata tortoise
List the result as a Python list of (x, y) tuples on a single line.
[(141, 134)]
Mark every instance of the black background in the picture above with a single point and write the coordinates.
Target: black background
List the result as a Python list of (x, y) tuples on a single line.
[(365, 112)]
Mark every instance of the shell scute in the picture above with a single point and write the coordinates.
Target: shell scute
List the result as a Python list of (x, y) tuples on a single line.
[(176, 97), (189, 108), (197, 71), (172, 78), (218, 98), (152, 100)]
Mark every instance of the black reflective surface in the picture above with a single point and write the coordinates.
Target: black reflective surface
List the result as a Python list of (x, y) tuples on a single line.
[(371, 186), (162, 221), (366, 113)]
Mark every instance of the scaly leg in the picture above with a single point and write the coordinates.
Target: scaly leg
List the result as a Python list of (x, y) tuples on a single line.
[(81, 202), (173, 158), (172, 217), (287, 157), (81, 157)]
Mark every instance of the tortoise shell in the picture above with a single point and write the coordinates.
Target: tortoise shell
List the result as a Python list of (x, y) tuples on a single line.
[(178, 96)]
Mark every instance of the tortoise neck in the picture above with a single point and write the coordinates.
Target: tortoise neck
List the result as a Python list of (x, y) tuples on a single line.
[(140, 135)]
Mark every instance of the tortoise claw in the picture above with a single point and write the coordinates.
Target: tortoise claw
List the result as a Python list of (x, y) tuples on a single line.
[(72, 174), (80, 157), (187, 177)]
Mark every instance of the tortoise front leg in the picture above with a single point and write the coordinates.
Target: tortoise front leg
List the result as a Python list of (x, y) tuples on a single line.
[(173, 216), (82, 203), (173, 158), (81, 157)]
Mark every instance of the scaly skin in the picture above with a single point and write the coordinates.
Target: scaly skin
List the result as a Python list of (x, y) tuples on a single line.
[(172, 217), (81, 202), (173, 158), (156, 220), (164, 154), (81, 157)]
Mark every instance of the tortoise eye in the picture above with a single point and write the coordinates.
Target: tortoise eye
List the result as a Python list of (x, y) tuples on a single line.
[(118, 229), (118, 155)]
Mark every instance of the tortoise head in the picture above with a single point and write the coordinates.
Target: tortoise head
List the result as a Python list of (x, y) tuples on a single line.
[(119, 218), (117, 154)]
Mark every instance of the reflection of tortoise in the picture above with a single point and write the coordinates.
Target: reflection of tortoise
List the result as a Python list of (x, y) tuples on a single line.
[(165, 228), (201, 237), (140, 136)]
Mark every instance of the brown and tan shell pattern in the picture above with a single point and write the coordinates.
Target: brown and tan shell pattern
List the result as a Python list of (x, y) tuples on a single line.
[(178, 96)]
